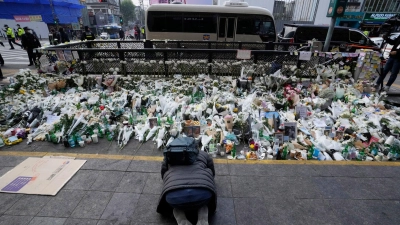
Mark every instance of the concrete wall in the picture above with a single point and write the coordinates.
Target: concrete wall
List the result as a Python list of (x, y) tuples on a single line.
[(39, 27), (320, 18)]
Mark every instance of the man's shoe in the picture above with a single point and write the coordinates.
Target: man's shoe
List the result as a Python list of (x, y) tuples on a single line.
[(30, 65), (12, 48)]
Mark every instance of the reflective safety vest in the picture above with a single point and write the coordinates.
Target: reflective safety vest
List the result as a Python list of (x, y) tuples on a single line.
[(10, 33), (142, 30), (20, 32)]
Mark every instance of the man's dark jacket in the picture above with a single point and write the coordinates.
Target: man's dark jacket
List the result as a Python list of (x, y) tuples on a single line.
[(200, 174), (395, 43)]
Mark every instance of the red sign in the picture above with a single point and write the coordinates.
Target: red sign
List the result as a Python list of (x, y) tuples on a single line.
[(22, 19)]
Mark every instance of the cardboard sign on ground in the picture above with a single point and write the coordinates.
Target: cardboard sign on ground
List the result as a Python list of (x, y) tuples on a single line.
[(41, 176)]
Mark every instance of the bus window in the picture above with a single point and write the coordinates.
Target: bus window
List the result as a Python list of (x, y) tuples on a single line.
[(222, 25), (256, 25), (199, 23), (231, 27), (165, 21)]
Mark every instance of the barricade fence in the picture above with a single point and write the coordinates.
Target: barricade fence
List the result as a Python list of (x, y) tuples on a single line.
[(117, 44), (165, 62)]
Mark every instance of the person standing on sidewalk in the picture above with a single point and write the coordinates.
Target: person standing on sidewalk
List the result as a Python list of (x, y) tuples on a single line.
[(63, 36), (1, 57), (392, 64), (10, 36), (121, 35), (30, 42), (87, 35), (189, 188)]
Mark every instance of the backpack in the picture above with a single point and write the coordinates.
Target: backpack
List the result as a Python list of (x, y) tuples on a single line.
[(181, 151)]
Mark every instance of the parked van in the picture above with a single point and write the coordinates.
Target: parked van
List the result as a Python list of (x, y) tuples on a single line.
[(345, 38)]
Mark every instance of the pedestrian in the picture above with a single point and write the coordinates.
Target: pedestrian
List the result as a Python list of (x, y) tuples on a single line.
[(392, 64), (188, 188), (20, 31), (137, 36), (63, 36), (10, 36), (87, 35), (143, 33), (30, 42), (121, 34), (1, 57)]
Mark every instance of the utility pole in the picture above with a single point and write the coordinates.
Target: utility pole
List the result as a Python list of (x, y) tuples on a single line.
[(141, 12), (336, 9), (53, 12)]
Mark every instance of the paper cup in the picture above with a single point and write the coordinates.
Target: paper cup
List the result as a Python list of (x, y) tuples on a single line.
[(270, 157), (292, 153), (82, 143), (94, 138)]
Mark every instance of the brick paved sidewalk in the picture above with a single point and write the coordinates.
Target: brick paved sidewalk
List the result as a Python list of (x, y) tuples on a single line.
[(107, 191)]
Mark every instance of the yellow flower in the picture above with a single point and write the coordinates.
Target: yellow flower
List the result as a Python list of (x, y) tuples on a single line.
[(22, 91), (32, 91)]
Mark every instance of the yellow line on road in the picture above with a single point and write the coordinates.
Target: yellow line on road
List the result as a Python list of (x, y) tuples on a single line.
[(216, 161)]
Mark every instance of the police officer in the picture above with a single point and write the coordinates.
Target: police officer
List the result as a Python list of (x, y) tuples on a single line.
[(10, 36), (20, 31), (30, 42), (87, 35)]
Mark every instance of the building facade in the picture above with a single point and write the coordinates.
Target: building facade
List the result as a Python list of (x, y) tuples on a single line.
[(103, 12)]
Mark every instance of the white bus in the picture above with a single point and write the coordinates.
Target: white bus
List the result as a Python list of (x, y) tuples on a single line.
[(231, 22)]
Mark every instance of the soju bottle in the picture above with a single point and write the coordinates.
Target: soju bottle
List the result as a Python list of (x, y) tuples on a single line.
[(392, 153), (360, 156), (130, 121), (158, 120), (374, 150), (284, 152), (233, 152), (345, 152), (310, 152), (100, 133)]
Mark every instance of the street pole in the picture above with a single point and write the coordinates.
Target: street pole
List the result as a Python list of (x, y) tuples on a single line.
[(329, 35)]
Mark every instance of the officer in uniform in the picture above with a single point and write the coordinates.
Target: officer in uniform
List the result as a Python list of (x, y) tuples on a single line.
[(30, 42), (10, 36), (87, 35), (20, 31)]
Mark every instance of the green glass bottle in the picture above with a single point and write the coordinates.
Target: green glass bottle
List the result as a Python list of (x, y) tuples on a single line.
[(361, 155), (285, 152), (310, 152), (99, 133), (130, 121), (233, 152), (345, 152)]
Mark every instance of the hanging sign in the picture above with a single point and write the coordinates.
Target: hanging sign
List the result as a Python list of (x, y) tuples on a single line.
[(336, 8)]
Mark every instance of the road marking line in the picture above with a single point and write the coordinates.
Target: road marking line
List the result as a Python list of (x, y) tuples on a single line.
[(216, 161)]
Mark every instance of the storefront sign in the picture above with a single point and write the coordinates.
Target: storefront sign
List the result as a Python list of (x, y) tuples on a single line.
[(378, 16), (353, 16), (28, 18), (22, 19), (36, 18), (336, 8)]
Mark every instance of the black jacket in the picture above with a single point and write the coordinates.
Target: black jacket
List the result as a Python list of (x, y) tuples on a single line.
[(395, 43), (29, 40), (87, 35), (64, 37), (198, 175)]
